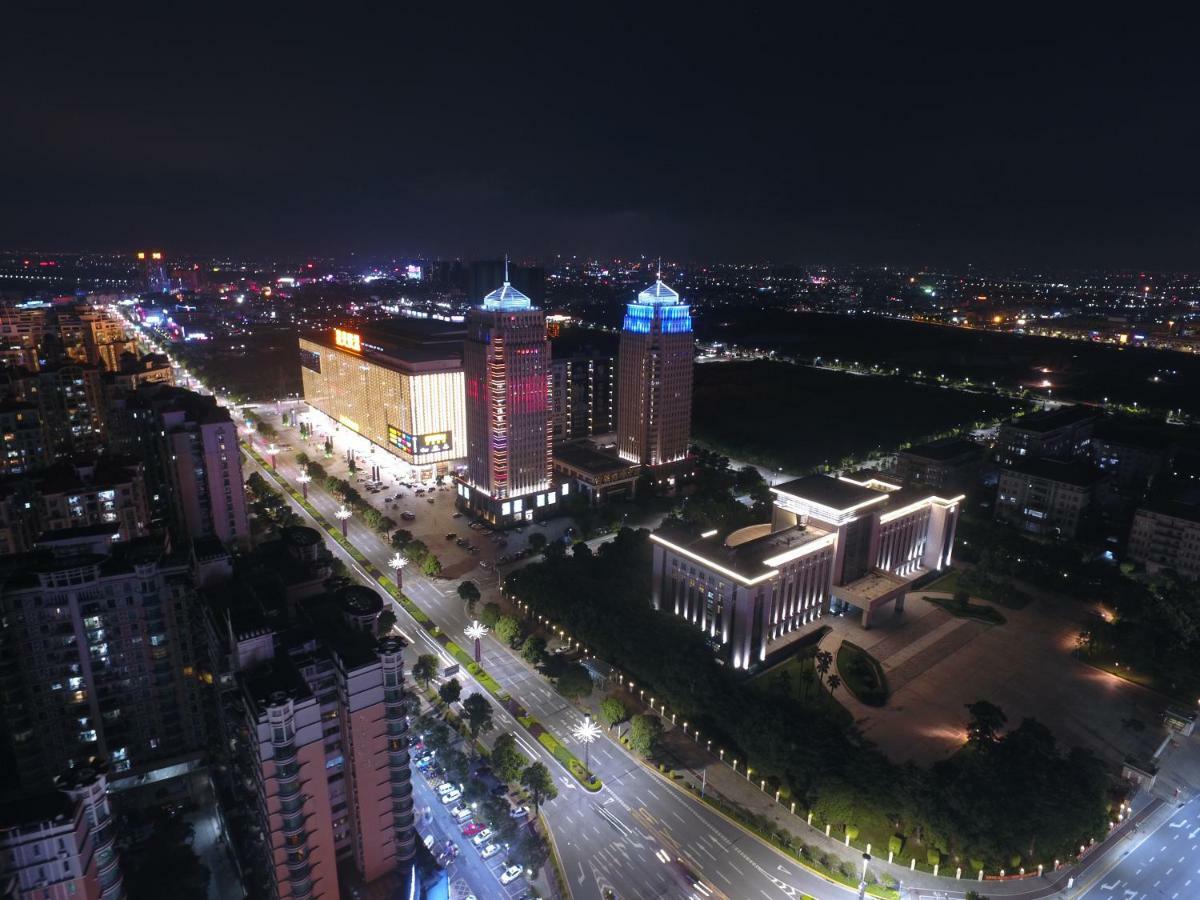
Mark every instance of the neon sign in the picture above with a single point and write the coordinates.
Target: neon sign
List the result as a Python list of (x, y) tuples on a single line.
[(347, 339)]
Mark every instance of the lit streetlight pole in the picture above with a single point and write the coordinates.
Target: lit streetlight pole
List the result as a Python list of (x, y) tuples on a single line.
[(343, 514), (475, 631), (272, 450), (304, 478), (586, 732), (397, 564)]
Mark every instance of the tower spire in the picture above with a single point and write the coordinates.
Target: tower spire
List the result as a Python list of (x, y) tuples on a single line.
[(660, 268), (506, 268)]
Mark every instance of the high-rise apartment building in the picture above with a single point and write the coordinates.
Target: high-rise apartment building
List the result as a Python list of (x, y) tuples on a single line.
[(96, 653), (318, 723), (582, 391), (1063, 433), (74, 493), (70, 403), (506, 362), (654, 393), (153, 271), (24, 445), (61, 844)]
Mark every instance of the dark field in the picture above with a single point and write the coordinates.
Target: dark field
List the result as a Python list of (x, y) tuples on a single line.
[(795, 417), (1078, 370)]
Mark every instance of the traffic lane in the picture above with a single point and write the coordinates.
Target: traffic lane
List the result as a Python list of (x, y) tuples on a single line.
[(1165, 862)]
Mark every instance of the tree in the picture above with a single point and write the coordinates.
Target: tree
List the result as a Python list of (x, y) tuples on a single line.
[(537, 542), (530, 851), (478, 713), (450, 691), (534, 649), (507, 760), (167, 858), (983, 729), (833, 682), (425, 668), (401, 538), (822, 660), (490, 615), (438, 738), (538, 780), (508, 629), (644, 732), (468, 592), (612, 711), (431, 566), (575, 683), (415, 551), (385, 623)]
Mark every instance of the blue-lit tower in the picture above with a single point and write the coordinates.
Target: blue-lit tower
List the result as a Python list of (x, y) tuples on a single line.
[(654, 395)]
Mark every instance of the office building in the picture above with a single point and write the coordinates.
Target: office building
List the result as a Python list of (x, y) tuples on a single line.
[(74, 493), (316, 717), (654, 393), (506, 360), (596, 474), (1133, 458), (152, 268), (399, 384), (1166, 532), (582, 395), (1063, 433), (24, 445), (948, 464), (1047, 497), (61, 843), (97, 649), (834, 545)]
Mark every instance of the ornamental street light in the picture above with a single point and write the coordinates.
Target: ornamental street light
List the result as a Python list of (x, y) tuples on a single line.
[(475, 631), (272, 450), (586, 732), (397, 564), (304, 478), (343, 514)]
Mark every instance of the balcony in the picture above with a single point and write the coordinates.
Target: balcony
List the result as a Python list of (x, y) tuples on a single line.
[(401, 790), (398, 758)]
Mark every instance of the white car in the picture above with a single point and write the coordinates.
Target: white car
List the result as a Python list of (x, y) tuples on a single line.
[(520, 812), (482, 838), (461, 812), (489, 851), (452, 796), (445, 787), (511, 874)]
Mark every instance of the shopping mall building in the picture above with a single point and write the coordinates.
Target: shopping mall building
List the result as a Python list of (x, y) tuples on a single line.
[(398, 383)]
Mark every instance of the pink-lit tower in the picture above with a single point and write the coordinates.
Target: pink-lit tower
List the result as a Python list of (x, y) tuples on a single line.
[(506, 361)]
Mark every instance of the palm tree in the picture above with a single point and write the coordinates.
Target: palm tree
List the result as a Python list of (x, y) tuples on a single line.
[(822, 661), (834, 683)]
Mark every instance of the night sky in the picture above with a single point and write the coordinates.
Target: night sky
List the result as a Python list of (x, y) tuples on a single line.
[(1010, 137)]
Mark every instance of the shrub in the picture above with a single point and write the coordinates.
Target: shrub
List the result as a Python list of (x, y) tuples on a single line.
[(852, 832), (847, 870), (895, 844), (1015, 861), (977, 865), (933, 857)]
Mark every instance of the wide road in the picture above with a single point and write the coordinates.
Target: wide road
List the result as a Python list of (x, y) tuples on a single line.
[(1161, 862)]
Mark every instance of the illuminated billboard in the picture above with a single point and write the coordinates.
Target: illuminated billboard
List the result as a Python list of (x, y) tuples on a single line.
[(347, 340), (418, 444)]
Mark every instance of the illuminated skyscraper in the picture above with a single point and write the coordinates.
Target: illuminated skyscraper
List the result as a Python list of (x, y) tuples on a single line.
[(153, 271), (506, 363), (654, 394)]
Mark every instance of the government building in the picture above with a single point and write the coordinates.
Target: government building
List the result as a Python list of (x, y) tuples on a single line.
[(852, 544), (397, 383)]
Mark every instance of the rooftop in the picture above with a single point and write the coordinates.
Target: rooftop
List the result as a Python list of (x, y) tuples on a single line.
[(584, 456), (945, 449), (507, 298), (1051, 419), (658, 293), (833, 493), (35, 807), (1065, 472), (750, 558)]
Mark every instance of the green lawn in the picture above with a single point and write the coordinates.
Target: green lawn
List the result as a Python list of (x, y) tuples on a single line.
[(798, 677), (978, 611)]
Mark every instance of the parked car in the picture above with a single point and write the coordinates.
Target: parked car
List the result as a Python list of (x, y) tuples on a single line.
[(472, 828), (449, 798), (444, 788), (451, 536), (484, 564), (520, 812), (511, 874), (482, 837), (461, 813), (457, 515), (407, 516), (489, 851)]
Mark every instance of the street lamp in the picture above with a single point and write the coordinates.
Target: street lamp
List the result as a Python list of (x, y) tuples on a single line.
[(304, 478), (475, 631), (272, 450), (397, 564), (586, 732), (343, 514), (862, 885)]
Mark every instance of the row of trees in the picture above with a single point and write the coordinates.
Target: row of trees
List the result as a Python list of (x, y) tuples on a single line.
[(346, 492), (603, 599), (270, 508), (417, 553)]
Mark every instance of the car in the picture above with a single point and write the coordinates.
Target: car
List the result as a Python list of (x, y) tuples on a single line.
[(520, 812), (457, 515), (462, 542), (430, 500), (489, 851), (444, 788), (484, 564), (511, 874), (461, 812), (407, 516), (428, 841), (482, 837), (449, 798), (472, 828), (451, 536)]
